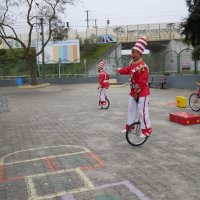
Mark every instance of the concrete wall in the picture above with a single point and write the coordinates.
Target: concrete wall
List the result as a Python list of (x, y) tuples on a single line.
[(54, 81), (182, 82), (179, 82), (7, 82)]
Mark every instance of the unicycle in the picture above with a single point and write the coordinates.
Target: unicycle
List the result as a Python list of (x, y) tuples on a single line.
[(133, 135), (106, 106)]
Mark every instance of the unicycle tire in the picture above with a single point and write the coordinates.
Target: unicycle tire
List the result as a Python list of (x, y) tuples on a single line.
[(106, 106), (133, 135)]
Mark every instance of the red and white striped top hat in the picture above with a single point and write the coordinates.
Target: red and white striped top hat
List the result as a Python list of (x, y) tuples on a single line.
[(140, 45), (101, 64)]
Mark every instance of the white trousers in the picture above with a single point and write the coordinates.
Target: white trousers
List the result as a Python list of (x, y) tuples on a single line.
[(143, 108), (102, 94)]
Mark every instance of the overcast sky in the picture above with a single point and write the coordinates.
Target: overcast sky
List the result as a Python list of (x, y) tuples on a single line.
[(125, 12), (118, 12)]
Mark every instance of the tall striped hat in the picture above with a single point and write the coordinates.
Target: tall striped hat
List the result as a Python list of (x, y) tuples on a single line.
[(101, 64), (140, 45)]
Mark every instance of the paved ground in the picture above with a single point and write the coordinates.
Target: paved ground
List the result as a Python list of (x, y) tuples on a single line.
[(56, 144)]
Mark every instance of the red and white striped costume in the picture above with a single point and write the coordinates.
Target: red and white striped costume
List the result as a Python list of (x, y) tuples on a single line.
[(139, 75), (103, 85)]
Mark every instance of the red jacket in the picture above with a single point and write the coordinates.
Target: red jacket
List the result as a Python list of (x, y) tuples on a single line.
[(103, 80), (139, 76)]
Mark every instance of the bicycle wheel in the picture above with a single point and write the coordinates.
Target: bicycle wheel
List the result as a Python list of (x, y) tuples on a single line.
[(194, 102), (133, 135), (106, 106)]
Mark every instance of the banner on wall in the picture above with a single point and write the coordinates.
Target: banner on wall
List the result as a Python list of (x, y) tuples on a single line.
[(67, 51)]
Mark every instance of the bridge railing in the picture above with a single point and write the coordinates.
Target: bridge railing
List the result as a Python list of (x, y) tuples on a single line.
[(156, 37), (128, 33)]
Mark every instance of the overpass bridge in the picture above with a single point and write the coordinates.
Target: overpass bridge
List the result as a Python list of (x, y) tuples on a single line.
[(130, 33), (159, 32), (159, 36)]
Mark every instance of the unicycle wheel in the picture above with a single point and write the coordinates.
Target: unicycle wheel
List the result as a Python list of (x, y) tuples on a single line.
[(106, 106), (133, 135)]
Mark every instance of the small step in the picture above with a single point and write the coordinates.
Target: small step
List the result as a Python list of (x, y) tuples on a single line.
[(113, 80)]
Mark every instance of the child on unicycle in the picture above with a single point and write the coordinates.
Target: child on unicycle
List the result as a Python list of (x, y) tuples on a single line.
[(103, 83)]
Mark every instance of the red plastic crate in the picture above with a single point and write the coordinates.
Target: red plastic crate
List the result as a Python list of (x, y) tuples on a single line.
[(184, 118)]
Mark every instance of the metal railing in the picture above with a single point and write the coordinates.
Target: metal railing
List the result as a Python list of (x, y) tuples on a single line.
[(169, 62)]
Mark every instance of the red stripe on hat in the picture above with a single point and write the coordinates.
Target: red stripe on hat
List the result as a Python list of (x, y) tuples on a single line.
[(142, 40), (141, 43), (139, 47), (101, 64)]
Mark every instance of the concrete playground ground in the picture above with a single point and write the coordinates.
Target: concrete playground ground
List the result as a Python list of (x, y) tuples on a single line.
[(55, 143)]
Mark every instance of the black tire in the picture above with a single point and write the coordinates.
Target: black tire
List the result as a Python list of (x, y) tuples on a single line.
[(106, 106), (133, 135), (194, 102)]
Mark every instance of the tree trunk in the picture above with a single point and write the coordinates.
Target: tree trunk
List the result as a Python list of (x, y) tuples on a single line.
[(32, 72)]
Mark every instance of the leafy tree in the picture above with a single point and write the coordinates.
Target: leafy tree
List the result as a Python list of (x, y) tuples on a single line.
[(47, 18), (3, 55), (191, 27), (196, 53), (89, 45)]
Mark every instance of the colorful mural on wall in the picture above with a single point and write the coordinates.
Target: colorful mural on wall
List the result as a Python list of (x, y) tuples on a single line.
[(68, 51)]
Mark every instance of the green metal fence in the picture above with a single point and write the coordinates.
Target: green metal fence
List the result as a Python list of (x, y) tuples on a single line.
[(168, 63)]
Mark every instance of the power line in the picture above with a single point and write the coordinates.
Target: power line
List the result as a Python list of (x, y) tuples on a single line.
[(13, 13)]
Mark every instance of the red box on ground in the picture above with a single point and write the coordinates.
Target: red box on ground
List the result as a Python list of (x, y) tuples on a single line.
[(184, 118)]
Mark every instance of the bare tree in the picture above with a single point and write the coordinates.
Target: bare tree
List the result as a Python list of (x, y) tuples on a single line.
[(35, 12)]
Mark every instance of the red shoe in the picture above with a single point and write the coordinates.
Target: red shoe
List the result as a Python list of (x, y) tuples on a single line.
[(102, 103), (147, 132), (125, 129)]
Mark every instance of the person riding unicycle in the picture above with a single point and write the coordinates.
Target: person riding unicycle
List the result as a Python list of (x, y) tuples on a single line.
[(103, 83)]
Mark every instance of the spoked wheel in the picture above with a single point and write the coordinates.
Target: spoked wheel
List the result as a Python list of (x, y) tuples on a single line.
[(133, 135), (106, 106), (194, 102)]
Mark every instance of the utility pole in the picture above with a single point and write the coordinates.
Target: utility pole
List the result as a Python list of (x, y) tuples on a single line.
[(107, 23), (95, 26), (42, 35), (87, 18)]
